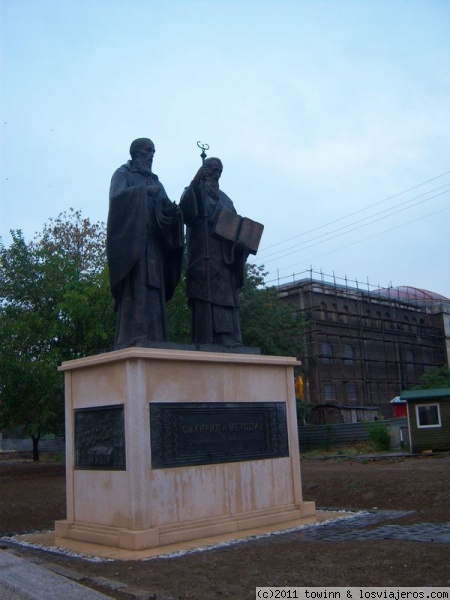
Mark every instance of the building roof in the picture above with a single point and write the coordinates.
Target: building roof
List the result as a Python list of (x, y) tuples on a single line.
[(407, 293), (397, 400), (401, 293), (426, 394), (346, 406)]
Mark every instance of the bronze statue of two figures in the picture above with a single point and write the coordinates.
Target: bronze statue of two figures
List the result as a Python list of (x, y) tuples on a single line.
[(145, 239)]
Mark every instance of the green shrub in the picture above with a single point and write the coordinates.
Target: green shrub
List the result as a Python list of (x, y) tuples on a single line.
[(379, 435)]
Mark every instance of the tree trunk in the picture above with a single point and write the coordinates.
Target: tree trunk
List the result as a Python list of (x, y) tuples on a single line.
[(36, 447)]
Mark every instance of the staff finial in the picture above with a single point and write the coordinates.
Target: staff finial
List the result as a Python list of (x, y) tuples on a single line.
[(203, 147)]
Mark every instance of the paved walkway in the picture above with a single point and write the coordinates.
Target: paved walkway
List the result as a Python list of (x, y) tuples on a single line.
[(23, 580), (354, 528)]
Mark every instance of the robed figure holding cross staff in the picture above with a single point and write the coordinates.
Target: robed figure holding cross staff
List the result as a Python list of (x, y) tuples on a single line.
[(215, 265)]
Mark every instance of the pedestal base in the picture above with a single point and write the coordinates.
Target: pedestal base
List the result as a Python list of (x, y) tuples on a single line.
[(125, 488), (182, 532)]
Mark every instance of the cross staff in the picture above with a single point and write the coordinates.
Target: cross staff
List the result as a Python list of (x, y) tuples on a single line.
[(204, 216)]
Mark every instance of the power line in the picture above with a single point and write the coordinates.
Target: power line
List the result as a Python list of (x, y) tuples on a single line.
[(356, 212), (348, 230), (346, 227), (365, 239)]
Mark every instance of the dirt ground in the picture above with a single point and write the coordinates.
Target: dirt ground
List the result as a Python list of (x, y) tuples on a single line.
[(32, 496)]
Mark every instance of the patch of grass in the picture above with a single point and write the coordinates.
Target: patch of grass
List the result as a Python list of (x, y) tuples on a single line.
[(341, 451), (351, 485)]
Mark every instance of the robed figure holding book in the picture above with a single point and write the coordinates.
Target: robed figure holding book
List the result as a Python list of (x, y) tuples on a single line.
[(216, 257)]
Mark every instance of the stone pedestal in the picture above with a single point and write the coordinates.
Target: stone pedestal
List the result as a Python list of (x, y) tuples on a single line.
[(165, 446)]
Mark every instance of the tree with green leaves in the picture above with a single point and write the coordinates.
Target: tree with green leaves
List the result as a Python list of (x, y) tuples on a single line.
[(436, 377), (178, 311), (55, 305), (266, 322)]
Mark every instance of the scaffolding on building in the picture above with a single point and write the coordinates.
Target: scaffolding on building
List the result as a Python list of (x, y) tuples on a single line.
[(364, 344)]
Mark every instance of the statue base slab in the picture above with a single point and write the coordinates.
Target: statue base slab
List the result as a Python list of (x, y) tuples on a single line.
[(236, 349), (166, 446)]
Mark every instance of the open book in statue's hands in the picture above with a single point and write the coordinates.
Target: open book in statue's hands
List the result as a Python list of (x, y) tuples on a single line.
[(234, 228)]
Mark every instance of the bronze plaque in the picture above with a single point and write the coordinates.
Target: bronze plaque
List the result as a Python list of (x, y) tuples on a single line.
[(100, 438), (203, 433)]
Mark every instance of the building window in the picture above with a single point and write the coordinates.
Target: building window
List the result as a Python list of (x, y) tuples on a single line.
[(326, 354), (367, 320), (428, 415), (345, 313), (409, 362), (421, 326), (349, 355), (351, 390), (323, 311), (426, 361), (389, 323), (378, 319), (405, 326), (335, 313), (329, 392)]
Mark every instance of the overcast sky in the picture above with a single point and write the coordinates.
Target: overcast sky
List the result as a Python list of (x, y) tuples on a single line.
[(332, 119)]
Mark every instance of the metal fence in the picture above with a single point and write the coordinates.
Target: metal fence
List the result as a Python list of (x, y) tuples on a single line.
[(312, 437), (50, 446)]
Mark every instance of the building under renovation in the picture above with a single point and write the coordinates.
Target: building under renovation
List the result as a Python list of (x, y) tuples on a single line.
[(363, 347)]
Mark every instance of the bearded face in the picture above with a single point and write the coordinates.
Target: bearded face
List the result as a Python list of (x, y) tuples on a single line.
[(143, 156), (212, 187), (212, 179)]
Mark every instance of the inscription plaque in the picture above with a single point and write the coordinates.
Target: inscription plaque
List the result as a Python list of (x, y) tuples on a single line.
[(100, 438), (202, 433)]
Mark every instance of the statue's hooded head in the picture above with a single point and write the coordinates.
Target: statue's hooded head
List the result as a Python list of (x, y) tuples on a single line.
[(215, 166), (142, 151)]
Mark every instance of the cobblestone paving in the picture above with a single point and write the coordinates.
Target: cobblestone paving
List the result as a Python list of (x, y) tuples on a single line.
[(355, 528)]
